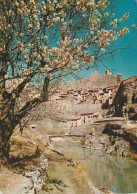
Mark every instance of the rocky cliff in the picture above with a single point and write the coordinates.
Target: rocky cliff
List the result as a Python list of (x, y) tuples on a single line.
[(125, 102), (118, 137)]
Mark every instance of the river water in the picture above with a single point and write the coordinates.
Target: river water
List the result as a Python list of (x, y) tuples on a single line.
[(114, 173)]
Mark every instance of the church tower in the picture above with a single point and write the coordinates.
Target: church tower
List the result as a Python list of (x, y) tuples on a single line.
[(119, 78)]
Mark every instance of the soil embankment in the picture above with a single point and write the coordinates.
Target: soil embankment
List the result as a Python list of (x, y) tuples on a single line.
[(67, 176)]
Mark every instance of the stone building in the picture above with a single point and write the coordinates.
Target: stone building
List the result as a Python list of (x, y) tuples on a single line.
[(74, 121), (83, 119), (108, 72), (94, 76), (87, 118), (119, 78), (109, 95), (90, 117)]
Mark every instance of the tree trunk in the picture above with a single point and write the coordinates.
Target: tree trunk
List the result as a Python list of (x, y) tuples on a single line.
[(45, 89), (6, 130), (8, 121)]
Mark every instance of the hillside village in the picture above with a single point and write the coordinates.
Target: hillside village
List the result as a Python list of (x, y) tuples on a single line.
[(86, 100), (97, 91), (87, 92)]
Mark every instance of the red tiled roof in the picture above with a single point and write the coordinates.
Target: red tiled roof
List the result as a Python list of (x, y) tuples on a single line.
[(96, 114), (58, 98), (74, 118), (111, 86), (63, 93), (77, 90), (95, 90), (88, 113), (63, 96), (84, 92)]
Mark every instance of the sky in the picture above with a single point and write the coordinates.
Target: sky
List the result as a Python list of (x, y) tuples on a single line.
[(125, 61)]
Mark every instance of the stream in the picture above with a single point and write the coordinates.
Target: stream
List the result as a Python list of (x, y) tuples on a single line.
[(114, 173)]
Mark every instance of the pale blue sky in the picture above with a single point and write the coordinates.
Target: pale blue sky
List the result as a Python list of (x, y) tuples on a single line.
[(126, 60)]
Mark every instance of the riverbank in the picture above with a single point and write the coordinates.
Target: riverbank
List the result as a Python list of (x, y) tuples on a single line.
[(59, 174), (68, 170), (65, 175), (36, 167), (106, 171)]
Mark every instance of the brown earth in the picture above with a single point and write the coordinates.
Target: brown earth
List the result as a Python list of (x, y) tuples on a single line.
[(10, 180)]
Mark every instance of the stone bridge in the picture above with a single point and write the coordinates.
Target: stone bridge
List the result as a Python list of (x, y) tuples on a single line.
[(54, 136)]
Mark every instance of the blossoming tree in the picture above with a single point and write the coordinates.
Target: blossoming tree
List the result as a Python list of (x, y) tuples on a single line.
[(48, 37)]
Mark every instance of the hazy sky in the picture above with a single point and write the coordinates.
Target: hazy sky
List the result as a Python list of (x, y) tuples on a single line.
[(126, 60)]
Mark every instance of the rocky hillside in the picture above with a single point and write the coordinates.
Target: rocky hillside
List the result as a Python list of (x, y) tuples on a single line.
[(113, 136), (125, 102), (104, 81), (100, 81)]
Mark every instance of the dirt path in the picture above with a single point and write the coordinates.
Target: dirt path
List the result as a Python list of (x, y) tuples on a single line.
[(67, 176), (62, 175), (63, 179), (11, 183)]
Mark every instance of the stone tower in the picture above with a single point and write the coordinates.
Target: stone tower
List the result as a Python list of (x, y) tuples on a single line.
[(119, 78), (108, 72)]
